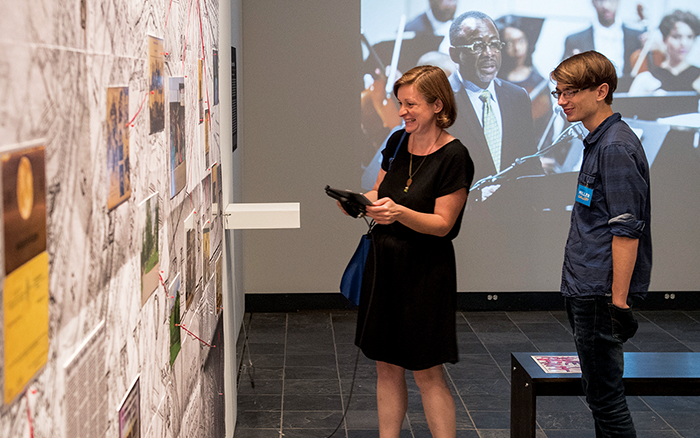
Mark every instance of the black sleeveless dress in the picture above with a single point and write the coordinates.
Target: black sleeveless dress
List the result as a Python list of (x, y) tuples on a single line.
[(407, 310), (670, 82)]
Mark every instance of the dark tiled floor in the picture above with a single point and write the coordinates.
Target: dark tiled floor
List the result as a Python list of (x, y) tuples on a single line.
[(302, 369)]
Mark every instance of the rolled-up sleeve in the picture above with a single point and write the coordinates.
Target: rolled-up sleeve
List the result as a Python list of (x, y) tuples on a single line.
[(626, 190)]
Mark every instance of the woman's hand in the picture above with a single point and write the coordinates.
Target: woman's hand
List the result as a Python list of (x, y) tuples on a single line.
[(438, 223), (341, 208), (385, 211), (356, 211)]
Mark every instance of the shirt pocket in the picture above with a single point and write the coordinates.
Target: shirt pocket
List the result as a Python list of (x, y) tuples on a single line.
[(586, 180)]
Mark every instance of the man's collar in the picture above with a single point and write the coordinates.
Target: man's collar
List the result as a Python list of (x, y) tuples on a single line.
[(459, 82), (594, 135), (615, 27), (455, 80), (434, 22)]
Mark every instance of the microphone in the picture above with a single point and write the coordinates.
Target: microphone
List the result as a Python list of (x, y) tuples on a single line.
[(576, 130), (556, 111), (559, 111)]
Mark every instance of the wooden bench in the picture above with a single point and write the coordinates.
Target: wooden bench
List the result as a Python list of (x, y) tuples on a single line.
[(645, 374)]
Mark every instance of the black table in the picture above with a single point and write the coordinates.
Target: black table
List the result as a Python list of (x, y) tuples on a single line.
[(645, 374)]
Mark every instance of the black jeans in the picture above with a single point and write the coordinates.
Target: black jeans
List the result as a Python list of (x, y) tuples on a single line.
[(602, 365)]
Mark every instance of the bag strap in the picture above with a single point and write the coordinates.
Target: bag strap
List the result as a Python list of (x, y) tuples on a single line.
[(391, 160), (370, 224)]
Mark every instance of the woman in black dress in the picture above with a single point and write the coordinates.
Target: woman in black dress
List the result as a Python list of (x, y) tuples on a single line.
[(406, 318)]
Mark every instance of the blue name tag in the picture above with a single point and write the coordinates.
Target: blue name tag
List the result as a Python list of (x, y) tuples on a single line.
[(584, 195)]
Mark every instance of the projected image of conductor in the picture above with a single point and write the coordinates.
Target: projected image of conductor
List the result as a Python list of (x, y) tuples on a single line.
[(409, 288), (607, 258), (668, 69), (494, 116)]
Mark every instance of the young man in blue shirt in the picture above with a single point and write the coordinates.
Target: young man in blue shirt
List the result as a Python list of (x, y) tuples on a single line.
[(607, 259)]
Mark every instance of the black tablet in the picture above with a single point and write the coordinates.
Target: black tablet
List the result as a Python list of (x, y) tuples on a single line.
[(348, 196)]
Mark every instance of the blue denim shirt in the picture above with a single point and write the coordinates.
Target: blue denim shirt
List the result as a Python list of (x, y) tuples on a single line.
[(616, 169)]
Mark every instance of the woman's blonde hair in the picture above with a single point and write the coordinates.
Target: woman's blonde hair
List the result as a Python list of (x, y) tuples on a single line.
[(432, 84)]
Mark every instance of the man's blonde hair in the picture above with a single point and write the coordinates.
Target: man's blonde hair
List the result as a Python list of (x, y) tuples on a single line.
[(586, 70)]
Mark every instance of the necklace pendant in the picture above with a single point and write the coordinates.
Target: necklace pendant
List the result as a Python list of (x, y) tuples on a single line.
[(408, 184)]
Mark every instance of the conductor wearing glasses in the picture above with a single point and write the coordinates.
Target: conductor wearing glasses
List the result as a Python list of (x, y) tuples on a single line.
[(494, 117)]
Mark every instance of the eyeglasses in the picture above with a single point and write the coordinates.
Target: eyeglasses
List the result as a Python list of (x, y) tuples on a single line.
[(480, 46), (568, 94)]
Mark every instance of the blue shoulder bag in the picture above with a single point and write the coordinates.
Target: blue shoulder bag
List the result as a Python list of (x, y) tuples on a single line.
[(351, 282)]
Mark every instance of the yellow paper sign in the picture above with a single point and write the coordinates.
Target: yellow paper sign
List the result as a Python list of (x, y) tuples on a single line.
[(26, 331)]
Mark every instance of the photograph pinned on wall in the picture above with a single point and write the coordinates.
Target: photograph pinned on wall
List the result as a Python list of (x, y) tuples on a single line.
[(219, 285), (218, 190), (215, 188), (174, 312), (178, 168), (25, 304), (85, 377), (206, 263), (118, 166), (206, 137), (200, 80), (25, 324), (190, 260), (156, 100), (206, 195), (215, 59), (24, 204), (150, 255), (130, 413)]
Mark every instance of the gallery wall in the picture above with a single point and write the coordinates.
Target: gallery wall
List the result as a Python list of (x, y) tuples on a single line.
[(301, 124), (111, 146), (302, 132)]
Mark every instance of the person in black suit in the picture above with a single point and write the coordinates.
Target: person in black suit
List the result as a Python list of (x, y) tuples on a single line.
[(435, 21), (423, 34), (476, 49), (610, 37), (441, 11)]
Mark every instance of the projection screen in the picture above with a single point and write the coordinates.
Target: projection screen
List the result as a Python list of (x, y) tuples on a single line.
[(517, 219)]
